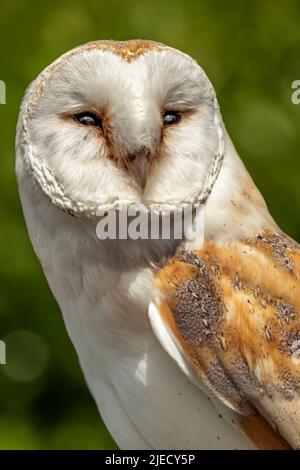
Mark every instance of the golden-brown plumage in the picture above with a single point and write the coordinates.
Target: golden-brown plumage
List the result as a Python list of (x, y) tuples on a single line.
[(127, 50), (235, 311)]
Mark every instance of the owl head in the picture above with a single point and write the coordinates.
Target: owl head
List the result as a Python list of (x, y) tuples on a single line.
[(109, 123)]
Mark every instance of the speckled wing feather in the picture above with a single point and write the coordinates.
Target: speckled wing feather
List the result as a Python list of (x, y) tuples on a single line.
[(233, 310)]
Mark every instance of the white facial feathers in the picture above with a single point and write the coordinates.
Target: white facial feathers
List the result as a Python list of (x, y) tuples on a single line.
[(134, 159)]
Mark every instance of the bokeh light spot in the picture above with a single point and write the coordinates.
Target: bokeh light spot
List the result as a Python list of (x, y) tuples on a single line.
[(26, 355)]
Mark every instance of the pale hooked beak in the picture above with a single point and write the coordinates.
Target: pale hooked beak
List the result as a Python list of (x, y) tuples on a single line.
[(139, 165)]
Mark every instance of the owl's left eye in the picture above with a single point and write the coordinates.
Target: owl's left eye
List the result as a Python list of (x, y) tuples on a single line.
[(88, 119), (171, 117)]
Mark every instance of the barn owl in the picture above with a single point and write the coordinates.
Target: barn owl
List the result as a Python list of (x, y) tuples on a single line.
[(182, 347)]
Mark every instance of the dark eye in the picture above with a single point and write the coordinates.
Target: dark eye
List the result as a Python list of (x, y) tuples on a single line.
[(88, 119), (171, 117)]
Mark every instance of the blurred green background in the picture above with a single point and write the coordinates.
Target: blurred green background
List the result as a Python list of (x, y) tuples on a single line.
[(251, 52)]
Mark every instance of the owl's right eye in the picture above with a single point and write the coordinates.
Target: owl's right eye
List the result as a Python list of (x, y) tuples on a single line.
[(88, 119)]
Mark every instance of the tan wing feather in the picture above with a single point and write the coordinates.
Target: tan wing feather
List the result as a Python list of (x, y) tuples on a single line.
[(235, 311)]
